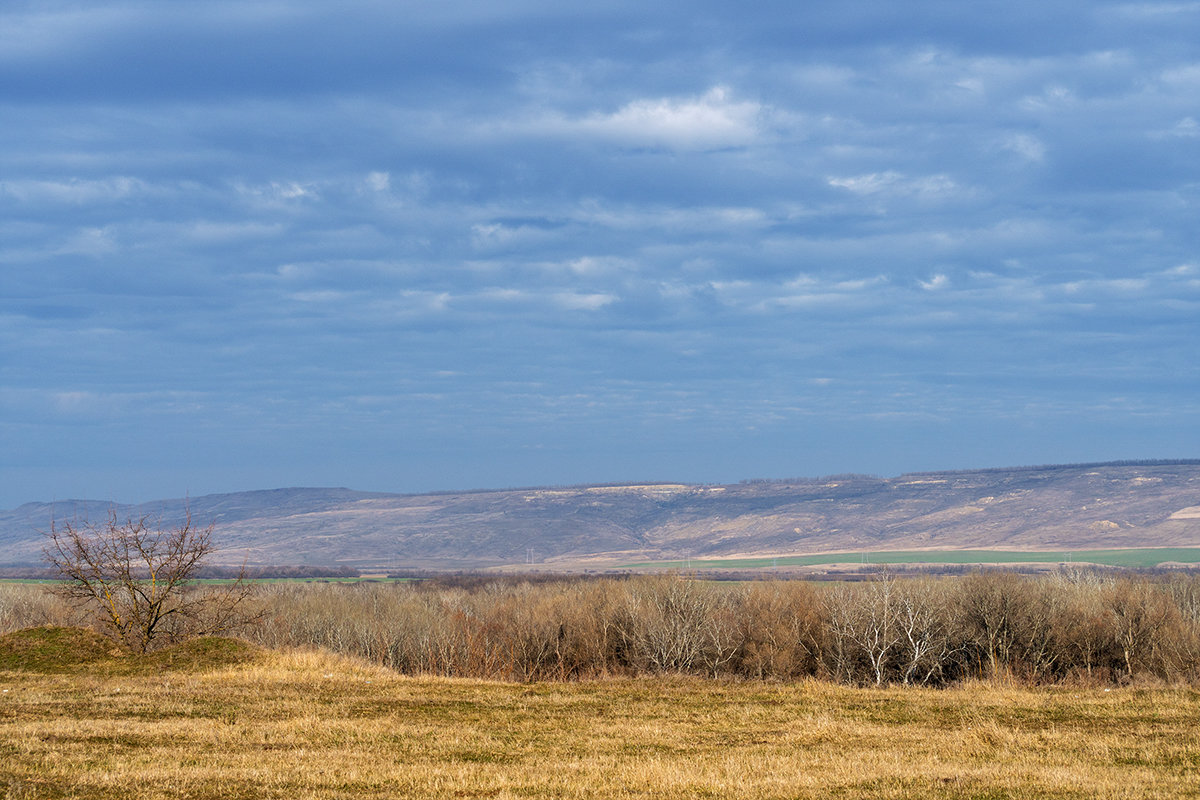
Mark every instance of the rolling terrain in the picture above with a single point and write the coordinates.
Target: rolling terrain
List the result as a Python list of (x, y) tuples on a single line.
[(220, 719), (1050, 509)]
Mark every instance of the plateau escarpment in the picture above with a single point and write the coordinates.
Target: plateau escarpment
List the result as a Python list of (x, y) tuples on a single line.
[(1054, 508)]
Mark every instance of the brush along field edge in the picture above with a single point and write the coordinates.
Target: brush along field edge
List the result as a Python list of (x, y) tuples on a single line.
[(305, 724)]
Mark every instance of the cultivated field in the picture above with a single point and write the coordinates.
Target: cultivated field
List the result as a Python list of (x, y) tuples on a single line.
[(220, 719), (1126, 557)]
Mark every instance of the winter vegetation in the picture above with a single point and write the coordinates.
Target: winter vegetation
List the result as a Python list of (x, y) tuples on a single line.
[(1076, 685), (1074, 627)]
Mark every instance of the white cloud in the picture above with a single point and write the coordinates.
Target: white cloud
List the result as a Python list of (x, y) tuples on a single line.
[(277, 192), (293, 272), (408, 303), (74, 191), (319, 296), (91, 404), (1186, 128), (74, 402), (208, 231), (681, 218), (94, 242), (24, 35), (1117, 286), (1152, 10), (859, 284), (972, 85), (576, 301), (1026, 146), (1182, 77), (801, 291), (867, 184), (565, 299), (504, 295), (379, 181), (812, 300), (896, 183), (1052, 97), (713, 120), (824, 76), (590, 266), (290, 191)]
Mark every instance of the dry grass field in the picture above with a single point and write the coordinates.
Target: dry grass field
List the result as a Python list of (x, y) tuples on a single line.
[(217, 718)]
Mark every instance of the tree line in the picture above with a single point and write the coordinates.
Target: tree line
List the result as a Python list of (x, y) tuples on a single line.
[(1074, 626)]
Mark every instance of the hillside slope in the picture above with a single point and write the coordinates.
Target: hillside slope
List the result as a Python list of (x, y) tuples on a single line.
[(1055, 508)]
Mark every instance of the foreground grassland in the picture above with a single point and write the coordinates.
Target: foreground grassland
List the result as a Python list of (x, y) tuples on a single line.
[(224, 720)]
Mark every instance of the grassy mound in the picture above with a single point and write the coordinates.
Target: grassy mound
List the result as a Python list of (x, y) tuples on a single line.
[(198, 655), (53, 649)]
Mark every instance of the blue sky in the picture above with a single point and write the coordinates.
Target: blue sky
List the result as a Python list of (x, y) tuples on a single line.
[(435, 245)]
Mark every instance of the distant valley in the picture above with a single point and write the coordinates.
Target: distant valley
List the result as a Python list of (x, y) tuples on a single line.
[(1048, 508)]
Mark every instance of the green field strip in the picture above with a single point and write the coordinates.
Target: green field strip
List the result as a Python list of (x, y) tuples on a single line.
[(227, 581), (1132, 557)]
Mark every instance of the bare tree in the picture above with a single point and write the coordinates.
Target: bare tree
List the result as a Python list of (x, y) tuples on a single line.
[(865, 626), (666, 620), (722, 634), (783, 629), (134, 576), (988, 607), (878, 632), (922, 618), (1146, 627)]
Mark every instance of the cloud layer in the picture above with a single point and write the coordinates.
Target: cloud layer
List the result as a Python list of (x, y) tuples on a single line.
[(456, 244)]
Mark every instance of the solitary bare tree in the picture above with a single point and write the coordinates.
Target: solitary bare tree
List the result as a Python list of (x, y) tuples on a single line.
[(135, 577)]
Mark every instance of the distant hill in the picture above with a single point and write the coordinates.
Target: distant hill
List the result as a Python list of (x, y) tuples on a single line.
[(1051, 508)]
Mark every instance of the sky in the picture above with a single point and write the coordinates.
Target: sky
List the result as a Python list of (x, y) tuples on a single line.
[(445, 245)]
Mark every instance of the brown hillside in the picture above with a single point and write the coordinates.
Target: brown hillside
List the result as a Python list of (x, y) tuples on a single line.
[(1056, 508)]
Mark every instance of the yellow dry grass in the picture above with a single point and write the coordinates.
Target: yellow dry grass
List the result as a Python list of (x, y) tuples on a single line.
[(309, 725)]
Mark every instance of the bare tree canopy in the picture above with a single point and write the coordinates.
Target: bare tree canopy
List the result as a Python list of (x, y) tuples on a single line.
[(135, 577)]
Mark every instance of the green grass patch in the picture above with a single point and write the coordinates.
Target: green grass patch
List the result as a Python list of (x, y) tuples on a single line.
[(1131, 557), (54, 650), (196, 655), (227, 581), (265, 581)]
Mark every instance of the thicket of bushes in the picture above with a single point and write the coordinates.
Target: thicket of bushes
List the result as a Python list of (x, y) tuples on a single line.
[(1076, 626), (1073, 626), (29, 605)]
